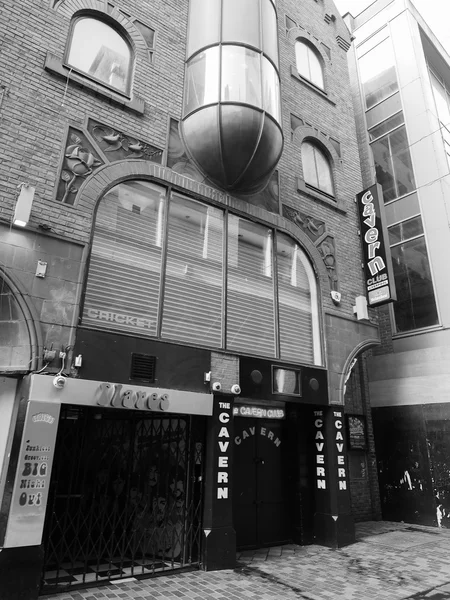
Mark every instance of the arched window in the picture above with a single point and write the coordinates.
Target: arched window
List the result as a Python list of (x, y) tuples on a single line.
[(317, 171), (15, 346), (101, 52), (308, 63)]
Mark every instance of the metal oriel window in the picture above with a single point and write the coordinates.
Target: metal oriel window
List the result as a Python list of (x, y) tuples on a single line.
[(100, 52), (170, 267), (308, 63)]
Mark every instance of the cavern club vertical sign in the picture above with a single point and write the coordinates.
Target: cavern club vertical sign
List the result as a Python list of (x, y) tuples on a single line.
[(379, 276)]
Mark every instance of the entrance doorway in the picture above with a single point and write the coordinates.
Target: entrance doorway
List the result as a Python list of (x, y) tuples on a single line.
[(125, 496), (260, 508)]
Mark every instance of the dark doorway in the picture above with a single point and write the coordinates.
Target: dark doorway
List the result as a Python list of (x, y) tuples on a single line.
[(125, 496), (260, 508)]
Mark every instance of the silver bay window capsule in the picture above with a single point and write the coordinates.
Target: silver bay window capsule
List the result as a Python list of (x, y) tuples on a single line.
[(231, 123)]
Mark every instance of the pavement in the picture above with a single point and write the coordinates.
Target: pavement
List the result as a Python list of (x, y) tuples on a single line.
[(389, 561)]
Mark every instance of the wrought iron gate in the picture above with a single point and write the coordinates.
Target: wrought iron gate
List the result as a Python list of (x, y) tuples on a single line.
[(125, 497)]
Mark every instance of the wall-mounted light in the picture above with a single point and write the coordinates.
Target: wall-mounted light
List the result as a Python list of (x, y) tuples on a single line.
[(23, 205)]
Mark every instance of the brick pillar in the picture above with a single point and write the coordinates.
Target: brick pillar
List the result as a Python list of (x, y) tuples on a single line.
[(219, 537), (333, 522)]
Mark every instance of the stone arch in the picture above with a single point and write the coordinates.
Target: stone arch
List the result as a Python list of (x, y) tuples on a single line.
[(21, 329), (348, 365)]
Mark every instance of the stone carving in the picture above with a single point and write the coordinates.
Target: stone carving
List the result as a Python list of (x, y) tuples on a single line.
[(80, 160), (316, 231), (120, 145)]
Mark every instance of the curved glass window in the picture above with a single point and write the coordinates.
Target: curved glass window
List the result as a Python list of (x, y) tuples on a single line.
[(308, 63), (101, 52), (317, 171), (271, 90), (204, 24), (202, 80), (241, 75), (158, 270), (240, 22), (269, 30)]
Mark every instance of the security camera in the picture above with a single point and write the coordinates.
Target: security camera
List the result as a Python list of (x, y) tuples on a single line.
[(235, 389), (216, 386), (59, 382)]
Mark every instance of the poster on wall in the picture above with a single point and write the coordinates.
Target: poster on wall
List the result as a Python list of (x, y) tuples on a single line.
[(34, 466), (356, 428), (379, 275)]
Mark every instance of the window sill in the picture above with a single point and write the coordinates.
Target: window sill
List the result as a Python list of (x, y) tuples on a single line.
[(318, 91), (304, 189), (54, 65)]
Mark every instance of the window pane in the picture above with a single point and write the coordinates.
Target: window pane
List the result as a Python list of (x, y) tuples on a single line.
[(315, 69), (241, 76), (415, 306), (15, 347), (384, 169), (384, 110), (204, 24), (270, 30), (294, 301), (440, 97), (406, 230), (194, 274), (271, 90), (99, 51), (402, 161), (301, 59), (377, 71), (386, 126), (122, 291), (324, 175), (402, 209), (250, 294), (241, 22), (309, 165), (202, 80)]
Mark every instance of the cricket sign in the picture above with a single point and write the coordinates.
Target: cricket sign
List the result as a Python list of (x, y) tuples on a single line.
[(379, 276)]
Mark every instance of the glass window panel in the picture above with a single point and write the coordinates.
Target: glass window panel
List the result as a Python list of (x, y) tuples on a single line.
[(295, 301), (315, 69), (123, 286), (309, 164), (440, 98), (250, 292), (15, 347), (406, 230), (271, 90), (372, 42), (269, 30), (324, 174), (204, 24), (384, 168), (377, 73), (386, 126), (383, 110), (402, 209), (194, 274), (402, 161), (241, 75), (99, 51), (240, 22), (415, 306), (202, 80)]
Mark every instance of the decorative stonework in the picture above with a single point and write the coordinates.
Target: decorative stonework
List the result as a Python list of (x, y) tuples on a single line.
[(316, 231), (85, 151)]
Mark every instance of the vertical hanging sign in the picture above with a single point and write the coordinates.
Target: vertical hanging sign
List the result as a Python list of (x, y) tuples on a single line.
[(34, 466), (379, 276)]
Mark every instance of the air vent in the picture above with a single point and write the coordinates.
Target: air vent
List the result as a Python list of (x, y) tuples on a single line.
[(143, 367)]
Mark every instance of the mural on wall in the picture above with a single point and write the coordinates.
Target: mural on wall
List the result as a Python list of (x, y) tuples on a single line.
[(179, 161), (87, 150), (316, 230)]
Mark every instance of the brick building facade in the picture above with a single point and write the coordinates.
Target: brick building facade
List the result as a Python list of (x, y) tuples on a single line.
[(154, 320)]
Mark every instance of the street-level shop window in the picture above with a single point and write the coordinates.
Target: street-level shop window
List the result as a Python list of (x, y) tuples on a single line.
[(170, 267), (309, 64), (317, 169), (100, 52)]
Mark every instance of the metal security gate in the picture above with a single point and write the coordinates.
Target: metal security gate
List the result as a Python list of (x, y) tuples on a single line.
[(125, 497)]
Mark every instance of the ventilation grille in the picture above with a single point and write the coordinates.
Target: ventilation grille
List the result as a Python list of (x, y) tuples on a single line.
[(143, 367)]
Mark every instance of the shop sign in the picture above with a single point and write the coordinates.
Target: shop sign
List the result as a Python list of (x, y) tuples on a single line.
[(356, 428), (117, 395), (224, 444), (30, 491), (119, 318), (321, 482), (339, 438), (258, 412), (379, 276)]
